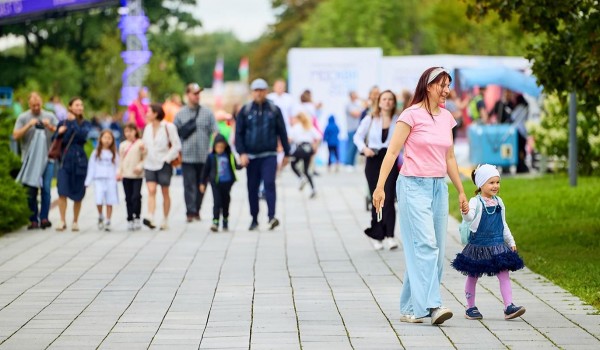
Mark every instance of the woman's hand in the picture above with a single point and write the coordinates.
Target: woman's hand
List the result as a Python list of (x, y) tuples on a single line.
[(378, 199), (62, 129), (368, 152), (463, 203)]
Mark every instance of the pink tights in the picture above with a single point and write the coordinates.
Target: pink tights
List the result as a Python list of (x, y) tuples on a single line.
[(505, 289)]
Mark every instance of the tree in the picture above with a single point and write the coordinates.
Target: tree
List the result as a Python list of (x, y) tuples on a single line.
[(565, 57), (162, 79), (57, 72), (204, 51)]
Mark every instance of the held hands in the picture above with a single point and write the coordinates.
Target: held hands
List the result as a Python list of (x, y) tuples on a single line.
[(378, 199), (513, 248), (285, 161), (463, 203), (202, 188), (244, 160)]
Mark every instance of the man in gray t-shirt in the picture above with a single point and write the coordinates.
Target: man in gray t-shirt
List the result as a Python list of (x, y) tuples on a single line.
[(28, 124)]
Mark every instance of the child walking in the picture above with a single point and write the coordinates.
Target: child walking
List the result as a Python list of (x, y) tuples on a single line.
[(131, 172), (305, 138), (102, 171), (220, 170), (330, 136), (491, 249)]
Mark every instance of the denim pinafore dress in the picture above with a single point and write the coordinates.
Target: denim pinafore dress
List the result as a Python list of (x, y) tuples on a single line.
[(486, 253)]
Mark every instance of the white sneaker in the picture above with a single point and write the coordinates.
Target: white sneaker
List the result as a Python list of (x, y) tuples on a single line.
[(100, 223), (303, 183), (107, 226), (137, 224), (410, 319), (130, 226), (440, 314), (377, 245), (390, 243)]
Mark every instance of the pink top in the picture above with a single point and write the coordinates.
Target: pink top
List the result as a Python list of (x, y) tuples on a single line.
[(137, 113), (428, 142)]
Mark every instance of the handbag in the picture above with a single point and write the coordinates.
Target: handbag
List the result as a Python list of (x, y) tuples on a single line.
[(177, 161), (189, 127), (55, 148), (465, 226)]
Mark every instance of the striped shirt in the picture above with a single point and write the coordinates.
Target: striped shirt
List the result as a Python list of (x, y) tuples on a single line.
[(195, 148)]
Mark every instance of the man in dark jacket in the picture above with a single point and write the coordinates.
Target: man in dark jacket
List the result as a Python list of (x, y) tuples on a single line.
[(259, 125)]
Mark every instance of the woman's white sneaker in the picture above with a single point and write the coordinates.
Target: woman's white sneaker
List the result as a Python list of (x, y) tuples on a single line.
[(440, 314), (390, 243), (377, 245), (410, 319)]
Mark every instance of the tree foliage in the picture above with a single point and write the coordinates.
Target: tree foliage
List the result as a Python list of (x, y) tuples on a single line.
[(566, 54), (162, 79)]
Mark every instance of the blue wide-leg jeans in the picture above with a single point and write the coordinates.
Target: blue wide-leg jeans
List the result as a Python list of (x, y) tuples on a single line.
[(423, 218)]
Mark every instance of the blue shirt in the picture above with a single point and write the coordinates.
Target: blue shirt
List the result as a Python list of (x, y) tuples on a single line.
[(224, 168)]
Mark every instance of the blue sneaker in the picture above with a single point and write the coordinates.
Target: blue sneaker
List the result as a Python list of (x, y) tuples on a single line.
[(513, 311), (473, 314)]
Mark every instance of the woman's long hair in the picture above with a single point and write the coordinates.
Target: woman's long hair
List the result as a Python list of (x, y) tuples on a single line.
[(420, 94), (304, 120), (112, 147), (376, 108)]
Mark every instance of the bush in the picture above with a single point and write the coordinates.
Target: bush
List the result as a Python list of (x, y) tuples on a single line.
[(14, 212), (552, 136)]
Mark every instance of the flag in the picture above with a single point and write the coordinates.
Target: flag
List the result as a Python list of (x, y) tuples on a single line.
[(244, 69), (217, 87)]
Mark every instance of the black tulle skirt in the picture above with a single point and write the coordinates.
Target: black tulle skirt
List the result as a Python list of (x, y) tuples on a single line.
[(477, 260)]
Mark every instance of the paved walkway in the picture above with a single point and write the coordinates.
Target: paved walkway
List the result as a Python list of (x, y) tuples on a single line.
[(313, 283)]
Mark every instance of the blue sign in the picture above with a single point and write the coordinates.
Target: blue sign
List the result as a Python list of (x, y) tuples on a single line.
[(18, 10)]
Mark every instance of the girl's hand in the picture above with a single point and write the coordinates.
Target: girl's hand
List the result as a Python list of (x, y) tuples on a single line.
[(368, 152), (202, 188), (119, 177), (463, 203), (513, 248), (378, 199)]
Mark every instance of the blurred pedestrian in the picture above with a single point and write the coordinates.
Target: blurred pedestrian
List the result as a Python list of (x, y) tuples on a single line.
[(331, 137), (138, 109), (305, 139)]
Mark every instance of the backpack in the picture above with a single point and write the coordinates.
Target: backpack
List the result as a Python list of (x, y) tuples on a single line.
[(465, 226)]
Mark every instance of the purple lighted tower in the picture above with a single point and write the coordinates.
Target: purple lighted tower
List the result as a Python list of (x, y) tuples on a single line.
[(133, 25)]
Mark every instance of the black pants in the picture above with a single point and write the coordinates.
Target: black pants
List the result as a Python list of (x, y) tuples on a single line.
[(191, 182), (333, 154), (521, 146), (385, 227), (133, 197), (305, 159), (221, 198)]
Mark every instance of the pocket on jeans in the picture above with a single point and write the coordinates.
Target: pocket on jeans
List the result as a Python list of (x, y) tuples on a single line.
[(413, 183)]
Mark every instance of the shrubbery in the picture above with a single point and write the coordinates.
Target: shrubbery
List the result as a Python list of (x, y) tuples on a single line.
[(552, 136), (14, 212)]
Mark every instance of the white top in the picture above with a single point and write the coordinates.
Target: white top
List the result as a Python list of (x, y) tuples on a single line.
[(470, 216), (102, 168), (374, 127), (285, 102), (157, 146), (299, 135)]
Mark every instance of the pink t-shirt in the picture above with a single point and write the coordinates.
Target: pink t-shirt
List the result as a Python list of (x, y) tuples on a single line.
[(428, 142)]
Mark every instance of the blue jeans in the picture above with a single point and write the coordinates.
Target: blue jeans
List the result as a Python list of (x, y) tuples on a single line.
[(46, 190), (423, 218), (351, 149), (262, 169)]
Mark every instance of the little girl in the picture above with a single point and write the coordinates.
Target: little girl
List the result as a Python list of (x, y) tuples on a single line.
[(305, 137), (131, 171), (102, 170), (491, 249)]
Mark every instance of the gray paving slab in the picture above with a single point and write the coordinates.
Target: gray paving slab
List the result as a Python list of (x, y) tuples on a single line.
[(312, 283)]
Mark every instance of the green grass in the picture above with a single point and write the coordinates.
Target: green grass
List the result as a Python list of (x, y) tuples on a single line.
[(556, 227)]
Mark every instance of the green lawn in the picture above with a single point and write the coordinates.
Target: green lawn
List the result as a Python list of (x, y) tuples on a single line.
[(556, 227)]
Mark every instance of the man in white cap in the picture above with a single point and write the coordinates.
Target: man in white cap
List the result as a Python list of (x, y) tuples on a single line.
[(259, 127)]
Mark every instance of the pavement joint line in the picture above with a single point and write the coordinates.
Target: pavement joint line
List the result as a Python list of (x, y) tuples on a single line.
[(287, 267), (70, 284), (175, 241), (180, 283), (314, 245), (130, 235), (362, 277), (253, 286), (35, 244), (58, 247)]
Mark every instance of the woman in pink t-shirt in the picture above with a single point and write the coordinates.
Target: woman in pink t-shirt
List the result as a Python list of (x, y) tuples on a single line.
[(424, 130)]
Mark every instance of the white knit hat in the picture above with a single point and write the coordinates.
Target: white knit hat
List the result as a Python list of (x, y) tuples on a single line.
[(483, 173)]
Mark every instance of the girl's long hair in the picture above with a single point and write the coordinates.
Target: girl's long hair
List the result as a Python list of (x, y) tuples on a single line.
[(377, 110), (112, 147), (420, 94), (304, 120)]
